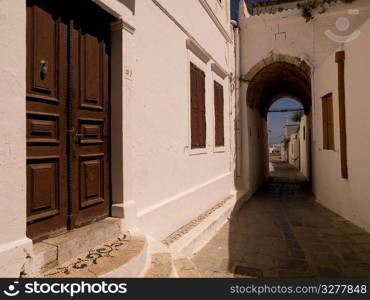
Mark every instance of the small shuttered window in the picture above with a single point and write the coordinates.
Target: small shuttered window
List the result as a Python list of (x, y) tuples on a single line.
[(219, 114), (198, 107), (328, 122)]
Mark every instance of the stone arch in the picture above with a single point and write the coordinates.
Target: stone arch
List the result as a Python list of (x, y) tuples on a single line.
[(275, 77)]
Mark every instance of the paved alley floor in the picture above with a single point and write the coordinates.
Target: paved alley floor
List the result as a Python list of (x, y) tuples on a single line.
[(283, 232)]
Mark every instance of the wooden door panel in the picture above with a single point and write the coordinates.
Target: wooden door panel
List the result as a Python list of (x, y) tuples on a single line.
[(90, 121), (44, 50), (43, 128), (91, 75), (43, 188), (46, 121), (92, 131), (91, 180)]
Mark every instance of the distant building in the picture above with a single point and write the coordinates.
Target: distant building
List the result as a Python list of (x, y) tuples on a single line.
[(275, 148), (289, 129), (294, 150)]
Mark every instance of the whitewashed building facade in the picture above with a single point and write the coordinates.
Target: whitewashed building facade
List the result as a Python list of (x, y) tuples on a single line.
[(160, 174)]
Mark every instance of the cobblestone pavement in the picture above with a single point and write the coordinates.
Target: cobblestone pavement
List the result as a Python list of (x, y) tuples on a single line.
[(283, 232)]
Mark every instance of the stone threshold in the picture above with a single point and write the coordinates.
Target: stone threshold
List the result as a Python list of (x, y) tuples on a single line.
[(164, 263), (161, 266), (119, 258), (55, 251)]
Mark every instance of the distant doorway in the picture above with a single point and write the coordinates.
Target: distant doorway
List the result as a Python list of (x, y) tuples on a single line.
[(284, 118)]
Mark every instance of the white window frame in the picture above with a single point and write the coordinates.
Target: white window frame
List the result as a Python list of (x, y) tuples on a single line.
[(220, 76)]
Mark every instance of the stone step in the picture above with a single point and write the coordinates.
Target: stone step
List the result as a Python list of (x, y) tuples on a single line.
[(185, 268), (159, 262), (123, 257), (161, 266), (57, 250), (165, 263), (193, 236)]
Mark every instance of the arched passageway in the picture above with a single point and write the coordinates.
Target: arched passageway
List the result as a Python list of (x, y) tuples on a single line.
[(266, 82), (271, 82)]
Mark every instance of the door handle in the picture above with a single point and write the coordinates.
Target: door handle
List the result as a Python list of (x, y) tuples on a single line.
[(43, 69), (78, 137), (75, 136)]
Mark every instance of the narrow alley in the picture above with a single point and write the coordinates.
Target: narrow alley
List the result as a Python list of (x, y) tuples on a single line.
[(283, 232), (184, 139)]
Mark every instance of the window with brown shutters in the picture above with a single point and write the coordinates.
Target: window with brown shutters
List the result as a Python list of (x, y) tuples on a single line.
[(198, 107), (219, 115), (328, 122)]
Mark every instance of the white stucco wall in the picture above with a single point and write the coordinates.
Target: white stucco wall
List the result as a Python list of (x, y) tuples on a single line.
[(284, 152), (349, 198), (294, 150), (122, 9), (221, 9), (304, 146), (167, 177), (254, 160), (288, 33), (290, 129), (13, 241)]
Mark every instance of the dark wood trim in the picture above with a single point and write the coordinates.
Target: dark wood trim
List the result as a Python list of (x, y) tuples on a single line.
[(328, 122), (70, 216), (340, 60), (219, 114)]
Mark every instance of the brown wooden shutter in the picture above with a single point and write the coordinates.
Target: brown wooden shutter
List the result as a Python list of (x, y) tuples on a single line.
[(219, 114), (328, 122), (329, 102), (194, 106), (202, 108), (325, 123), (198, 110)]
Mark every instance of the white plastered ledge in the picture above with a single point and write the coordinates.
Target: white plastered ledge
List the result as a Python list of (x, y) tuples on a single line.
[(194, 47)]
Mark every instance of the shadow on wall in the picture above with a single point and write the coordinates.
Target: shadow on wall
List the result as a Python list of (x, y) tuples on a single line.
[(130, 4)]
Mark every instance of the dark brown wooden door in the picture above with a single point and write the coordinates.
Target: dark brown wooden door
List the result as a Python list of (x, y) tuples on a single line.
[(67, 115), (90, 120)]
